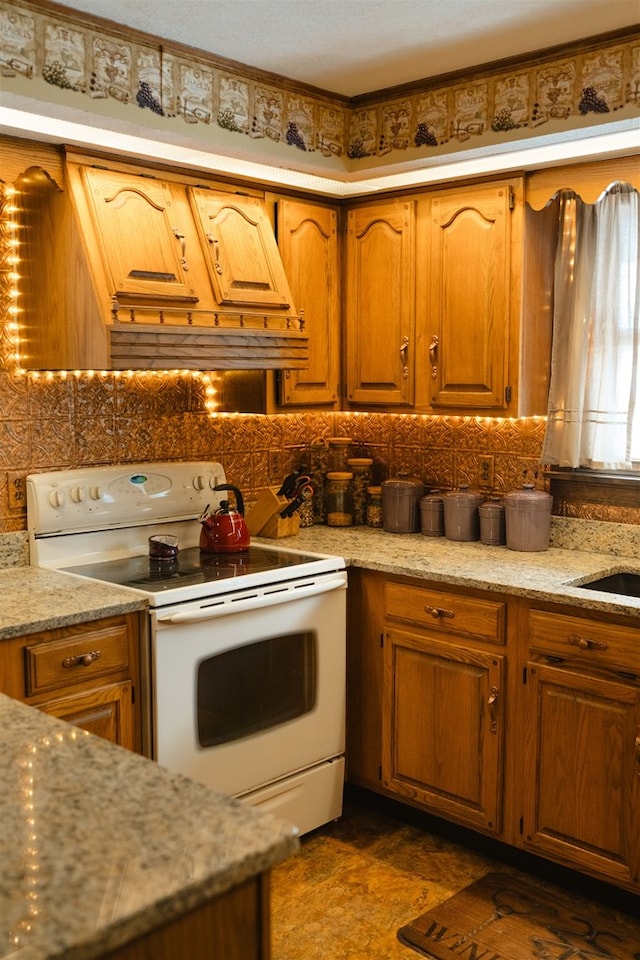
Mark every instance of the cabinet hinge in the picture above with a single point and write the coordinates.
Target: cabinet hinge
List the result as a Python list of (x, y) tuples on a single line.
[(521, 825), (382, 639), (508, 392), (512, 199), (524, 674), (133, 694), (380, 772)]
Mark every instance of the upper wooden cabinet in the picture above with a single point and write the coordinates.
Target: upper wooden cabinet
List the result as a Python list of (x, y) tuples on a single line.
[(129, 268), (380, 303), (448, 305), (471, 281), (309, 245), (243, 259), (141, 233)]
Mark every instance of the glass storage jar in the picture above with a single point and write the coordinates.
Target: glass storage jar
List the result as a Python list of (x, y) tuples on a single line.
[(338, 454), (360, 469), (339, 501), (374, 507)]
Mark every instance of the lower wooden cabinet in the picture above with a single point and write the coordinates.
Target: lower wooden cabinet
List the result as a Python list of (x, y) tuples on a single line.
[(106, 712), (426, 697), (234, 926), (442, 728), (582, 745), (523, 724), (87, 674)]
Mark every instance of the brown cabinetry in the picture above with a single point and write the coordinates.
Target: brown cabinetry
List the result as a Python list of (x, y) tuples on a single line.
[(444, 677), (582, 780), (142, 235), (309, 245), (426, 698), (87, 674), (380, 303), (242, 257), (474, 281)]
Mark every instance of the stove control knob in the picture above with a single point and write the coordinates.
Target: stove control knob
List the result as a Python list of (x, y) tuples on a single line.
[(199, 482), (57, 498), (78, 494), (96, 493)]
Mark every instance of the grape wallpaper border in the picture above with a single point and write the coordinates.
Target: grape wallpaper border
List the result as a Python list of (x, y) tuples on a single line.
[(127, 69)]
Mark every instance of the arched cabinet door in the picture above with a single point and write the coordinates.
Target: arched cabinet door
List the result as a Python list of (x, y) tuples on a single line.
[(471, 282), (309, 245), (241, 251), (380, 304), (142, 234)]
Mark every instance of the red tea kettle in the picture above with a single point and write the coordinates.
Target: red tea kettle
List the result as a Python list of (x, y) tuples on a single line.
[(225, 530)]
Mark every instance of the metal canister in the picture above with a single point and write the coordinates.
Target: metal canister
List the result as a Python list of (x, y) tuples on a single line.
[(492, 522), (461, 518), (528, 518), (432, 514), (401, 504)]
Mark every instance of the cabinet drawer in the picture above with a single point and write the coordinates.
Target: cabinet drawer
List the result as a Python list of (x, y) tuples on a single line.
[(76, 659), (446, 612), (602, 644)]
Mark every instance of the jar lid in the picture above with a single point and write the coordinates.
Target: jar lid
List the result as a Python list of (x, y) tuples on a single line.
[(528, 495), (339, 475), (359, 461), (491, 507), (340, 441), (464, 494), (374, 491), (434, 496)]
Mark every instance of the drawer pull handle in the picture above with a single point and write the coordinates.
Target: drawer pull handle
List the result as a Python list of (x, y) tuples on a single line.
[(439, 612), (82, 660), (584, 643), (494, 696)]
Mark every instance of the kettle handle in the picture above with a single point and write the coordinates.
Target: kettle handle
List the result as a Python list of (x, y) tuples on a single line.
[(236, 493)]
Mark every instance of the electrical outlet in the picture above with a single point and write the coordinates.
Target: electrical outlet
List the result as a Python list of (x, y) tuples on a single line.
[(275, 466), (17, 493), (486, 471)]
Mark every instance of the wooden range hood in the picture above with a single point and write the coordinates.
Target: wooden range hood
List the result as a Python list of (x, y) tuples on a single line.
[(127, 269)]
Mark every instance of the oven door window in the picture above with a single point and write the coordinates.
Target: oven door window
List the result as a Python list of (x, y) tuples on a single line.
[(252, 688)]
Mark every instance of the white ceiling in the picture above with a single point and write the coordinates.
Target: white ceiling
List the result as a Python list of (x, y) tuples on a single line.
[(351, 47)]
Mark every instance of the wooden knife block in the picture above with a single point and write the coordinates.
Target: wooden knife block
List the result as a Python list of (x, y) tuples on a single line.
[(263, 520)]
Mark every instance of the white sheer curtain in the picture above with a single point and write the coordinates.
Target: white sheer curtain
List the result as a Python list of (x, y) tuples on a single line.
[(594, 398)]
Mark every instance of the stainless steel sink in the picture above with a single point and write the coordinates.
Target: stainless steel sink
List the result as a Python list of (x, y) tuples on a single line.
[(625, 583)]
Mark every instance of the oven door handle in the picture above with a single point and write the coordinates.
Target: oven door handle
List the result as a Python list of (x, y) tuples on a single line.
[(254, 602)]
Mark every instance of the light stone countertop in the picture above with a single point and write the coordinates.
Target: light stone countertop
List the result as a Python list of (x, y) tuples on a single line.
[(34, 599), (545, 575), (100, 845)]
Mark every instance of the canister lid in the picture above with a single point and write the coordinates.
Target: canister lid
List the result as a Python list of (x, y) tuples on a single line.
[(339, 475), (404, 485), (359, 462), (463, 495), (339, 441), (374, 491), (528, 496)]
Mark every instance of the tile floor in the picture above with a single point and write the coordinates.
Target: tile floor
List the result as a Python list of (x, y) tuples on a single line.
[(356, 881)]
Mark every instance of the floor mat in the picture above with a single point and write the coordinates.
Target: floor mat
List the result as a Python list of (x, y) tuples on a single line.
[(514, 917)]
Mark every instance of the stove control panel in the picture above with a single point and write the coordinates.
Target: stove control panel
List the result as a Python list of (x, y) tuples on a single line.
[(67, 501)]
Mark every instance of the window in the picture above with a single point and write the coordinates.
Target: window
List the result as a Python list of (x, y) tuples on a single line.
[(594, 396)]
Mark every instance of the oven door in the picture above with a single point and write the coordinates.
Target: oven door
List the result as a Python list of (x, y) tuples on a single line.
[(250, 688)]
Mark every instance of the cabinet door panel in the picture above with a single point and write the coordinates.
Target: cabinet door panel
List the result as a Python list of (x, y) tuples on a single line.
[(106, 712), (442, 733), (308, 242), (470, 308), (582, 803), (243, 259), (141, 241), (380, 322)]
